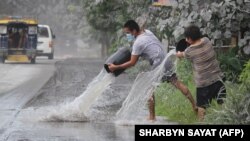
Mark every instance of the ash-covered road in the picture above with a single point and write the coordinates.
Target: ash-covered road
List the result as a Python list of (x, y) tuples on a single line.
[(26, 87)]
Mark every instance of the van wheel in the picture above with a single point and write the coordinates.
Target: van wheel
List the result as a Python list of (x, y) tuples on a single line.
[(33, 60), (51, 56)]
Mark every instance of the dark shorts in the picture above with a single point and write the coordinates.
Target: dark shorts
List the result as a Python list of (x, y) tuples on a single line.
[(169, 71), (215, 91)]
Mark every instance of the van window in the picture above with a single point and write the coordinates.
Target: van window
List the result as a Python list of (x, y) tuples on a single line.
[(43, 32)]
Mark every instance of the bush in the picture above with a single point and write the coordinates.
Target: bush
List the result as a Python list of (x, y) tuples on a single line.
[(235, 110), (245, 75), (230, 64)]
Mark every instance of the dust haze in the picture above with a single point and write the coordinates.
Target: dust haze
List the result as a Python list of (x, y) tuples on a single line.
[(67, 20)]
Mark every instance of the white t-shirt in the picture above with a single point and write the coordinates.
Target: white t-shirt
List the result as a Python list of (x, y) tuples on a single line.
[(148, 46)]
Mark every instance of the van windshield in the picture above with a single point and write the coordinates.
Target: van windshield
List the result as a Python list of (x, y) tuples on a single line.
[(43, 32)]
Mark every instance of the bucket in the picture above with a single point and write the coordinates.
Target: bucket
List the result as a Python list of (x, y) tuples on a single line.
[(182, 45), (121, 56)]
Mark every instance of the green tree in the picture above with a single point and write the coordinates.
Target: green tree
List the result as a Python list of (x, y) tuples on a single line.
[(108, 16), (105, 17), (64, 16)]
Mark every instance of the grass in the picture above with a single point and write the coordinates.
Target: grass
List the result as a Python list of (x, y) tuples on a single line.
[(171, 103)]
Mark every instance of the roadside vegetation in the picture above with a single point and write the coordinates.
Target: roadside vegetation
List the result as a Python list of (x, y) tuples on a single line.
[(236, 109)]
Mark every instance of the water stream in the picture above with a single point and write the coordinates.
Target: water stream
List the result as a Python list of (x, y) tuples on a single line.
[(96, 101), (134, 109), (78, 109)]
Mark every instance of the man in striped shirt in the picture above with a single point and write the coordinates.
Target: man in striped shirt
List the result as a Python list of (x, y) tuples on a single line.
[(207, 73)]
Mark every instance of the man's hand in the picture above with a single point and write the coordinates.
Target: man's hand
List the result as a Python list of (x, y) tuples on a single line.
[(130, 63), (180, 54), (112, 67)]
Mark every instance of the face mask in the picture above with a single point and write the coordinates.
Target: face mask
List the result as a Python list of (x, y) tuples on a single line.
[(130, 37)]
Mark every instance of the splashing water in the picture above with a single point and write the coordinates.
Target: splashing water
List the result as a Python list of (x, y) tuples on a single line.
[(78, 109), (133, 108)]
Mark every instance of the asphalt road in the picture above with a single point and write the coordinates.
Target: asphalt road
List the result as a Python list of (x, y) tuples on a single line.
[(20, 83), (25, 87)]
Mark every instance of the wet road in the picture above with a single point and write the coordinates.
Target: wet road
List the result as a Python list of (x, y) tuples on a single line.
[(19, 84), (22, 90)]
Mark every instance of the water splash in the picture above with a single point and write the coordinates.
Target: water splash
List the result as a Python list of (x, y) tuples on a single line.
[(78, 109), (100, 101), (134, 107)]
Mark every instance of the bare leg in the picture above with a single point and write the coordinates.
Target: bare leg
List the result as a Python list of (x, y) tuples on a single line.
[(201, 113), (179, 85), (151, 107)]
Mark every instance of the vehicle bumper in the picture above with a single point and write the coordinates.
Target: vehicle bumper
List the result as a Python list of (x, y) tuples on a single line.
[(44, 52), (44, 49), (18, 58)]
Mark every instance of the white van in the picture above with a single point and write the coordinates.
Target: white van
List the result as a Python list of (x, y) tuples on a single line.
[(45, 45)]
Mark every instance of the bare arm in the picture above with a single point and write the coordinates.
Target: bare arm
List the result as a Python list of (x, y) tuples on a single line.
[(180, 54), (132, 62)]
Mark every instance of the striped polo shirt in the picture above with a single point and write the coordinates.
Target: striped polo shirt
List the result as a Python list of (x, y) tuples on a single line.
[(204, 63)]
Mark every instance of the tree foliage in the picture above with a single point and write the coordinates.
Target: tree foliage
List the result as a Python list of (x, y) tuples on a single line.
[(64, 16), (218, 19)]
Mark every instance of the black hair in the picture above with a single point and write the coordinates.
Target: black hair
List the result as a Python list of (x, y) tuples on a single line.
[(193, 32), (132, 25), (182, 45)]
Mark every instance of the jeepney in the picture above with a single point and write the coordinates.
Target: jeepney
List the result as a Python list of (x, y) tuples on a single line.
[(18, 39)]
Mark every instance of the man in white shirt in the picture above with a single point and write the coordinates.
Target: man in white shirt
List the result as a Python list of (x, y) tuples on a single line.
[(148, 46)]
